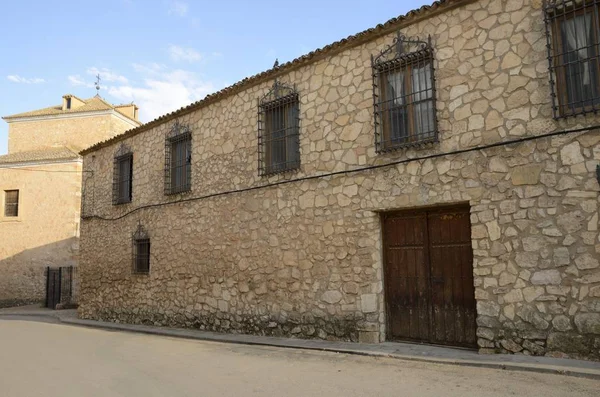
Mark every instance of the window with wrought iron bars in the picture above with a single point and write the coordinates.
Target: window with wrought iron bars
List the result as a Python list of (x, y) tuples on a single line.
[(404, 95), (573, 34), (122, 179), (279, 130), (178, 160), (11, 203), (141, 251)]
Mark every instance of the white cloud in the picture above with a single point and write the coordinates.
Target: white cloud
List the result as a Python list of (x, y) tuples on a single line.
[(178, 53), (178, 8), (162, 90), (15, 78), (76, 80)]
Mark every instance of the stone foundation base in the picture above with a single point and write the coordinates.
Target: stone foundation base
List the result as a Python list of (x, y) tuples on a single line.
[(19, 302), (304, 326)]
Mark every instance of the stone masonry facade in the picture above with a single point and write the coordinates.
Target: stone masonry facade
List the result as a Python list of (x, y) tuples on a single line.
[(300, 254)]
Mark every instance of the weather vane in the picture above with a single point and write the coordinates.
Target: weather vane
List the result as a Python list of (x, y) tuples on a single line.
[(98, 84)]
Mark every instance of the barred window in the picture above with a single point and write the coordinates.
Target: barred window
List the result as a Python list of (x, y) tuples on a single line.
[(573, 32), (11, 203), (404, 95), (141, 251), (178, 159), (279, 130), (122, 179)]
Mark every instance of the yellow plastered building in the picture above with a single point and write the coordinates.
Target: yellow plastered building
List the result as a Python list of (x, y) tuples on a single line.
[(40, 189)]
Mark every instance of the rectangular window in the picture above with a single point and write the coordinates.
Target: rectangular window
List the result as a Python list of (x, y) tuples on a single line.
[(123, 178), (141, 256), (179, 164), (406, 107), (11, 203), (573, 52), (279, 134)]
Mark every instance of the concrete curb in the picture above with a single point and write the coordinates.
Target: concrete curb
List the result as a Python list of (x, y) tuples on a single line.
[(590, 370), (298, 344)]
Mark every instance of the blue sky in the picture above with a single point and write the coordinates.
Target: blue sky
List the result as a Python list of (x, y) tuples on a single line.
[(162, 54)]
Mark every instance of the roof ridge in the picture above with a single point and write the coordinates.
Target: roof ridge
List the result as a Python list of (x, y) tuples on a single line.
[(50, 153), (98, 97)]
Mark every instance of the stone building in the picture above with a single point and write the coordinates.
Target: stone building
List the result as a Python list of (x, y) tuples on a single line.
[(40, 189), (430, 179)]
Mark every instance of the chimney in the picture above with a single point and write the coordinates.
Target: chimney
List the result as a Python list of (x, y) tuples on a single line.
[(71, 102), (129, 110)]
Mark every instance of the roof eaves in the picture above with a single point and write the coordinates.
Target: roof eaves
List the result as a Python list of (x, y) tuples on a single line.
[(410, 18)]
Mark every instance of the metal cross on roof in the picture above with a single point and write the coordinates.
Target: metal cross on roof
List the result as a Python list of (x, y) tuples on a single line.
[(98, 84)]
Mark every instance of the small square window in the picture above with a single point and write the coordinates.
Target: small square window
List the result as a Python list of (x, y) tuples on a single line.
[(122, 179), (11, 203)]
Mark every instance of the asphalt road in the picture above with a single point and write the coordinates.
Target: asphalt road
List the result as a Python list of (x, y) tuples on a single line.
[(45, 359)]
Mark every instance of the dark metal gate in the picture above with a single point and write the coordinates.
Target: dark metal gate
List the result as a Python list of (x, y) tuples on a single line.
[(429, 287), (59, 286)]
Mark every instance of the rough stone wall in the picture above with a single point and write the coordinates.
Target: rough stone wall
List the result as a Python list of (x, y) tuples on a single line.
[(77, 133), (44, 234), (304, 258)]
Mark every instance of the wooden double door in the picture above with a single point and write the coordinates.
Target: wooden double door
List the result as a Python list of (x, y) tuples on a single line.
[(428, 273)]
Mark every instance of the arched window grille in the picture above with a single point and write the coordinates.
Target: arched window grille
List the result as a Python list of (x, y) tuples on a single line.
[(573, 40), (279, 130), (141, 251), (178, 159), (122, 175), (404, 95)]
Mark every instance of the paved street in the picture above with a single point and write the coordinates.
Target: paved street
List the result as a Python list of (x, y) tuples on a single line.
[(45, 359)]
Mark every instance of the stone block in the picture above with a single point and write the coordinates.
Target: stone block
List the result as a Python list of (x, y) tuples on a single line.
[(368, 337), (588, 323), (526, 175), (546, 277), (368, 303)]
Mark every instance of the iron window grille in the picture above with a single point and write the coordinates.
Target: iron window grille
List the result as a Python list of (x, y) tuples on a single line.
[(123, 176), (141, 251), (279, 130), (573, 40), (404, 95), (11, 203), (178, 159)]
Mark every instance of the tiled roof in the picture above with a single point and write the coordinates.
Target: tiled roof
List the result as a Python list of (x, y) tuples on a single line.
[(382, 29), (51, 154), (94, 104)]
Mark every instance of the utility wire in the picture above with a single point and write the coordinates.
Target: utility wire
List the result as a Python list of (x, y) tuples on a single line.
[(367, 168), (47, 171)]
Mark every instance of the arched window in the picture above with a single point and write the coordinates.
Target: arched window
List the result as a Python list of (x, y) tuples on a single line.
[(178, 159), (573, 34), (123, 175), (141, 251), (279, 130), (404, 95)]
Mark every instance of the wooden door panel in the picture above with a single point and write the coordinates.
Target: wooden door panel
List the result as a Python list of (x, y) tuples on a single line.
[(406, 276), (429, 276), (452, 277)]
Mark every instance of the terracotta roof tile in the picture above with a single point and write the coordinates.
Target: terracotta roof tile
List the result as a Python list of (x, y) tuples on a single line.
[(93, 104), (51, 154), (350, 41)]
